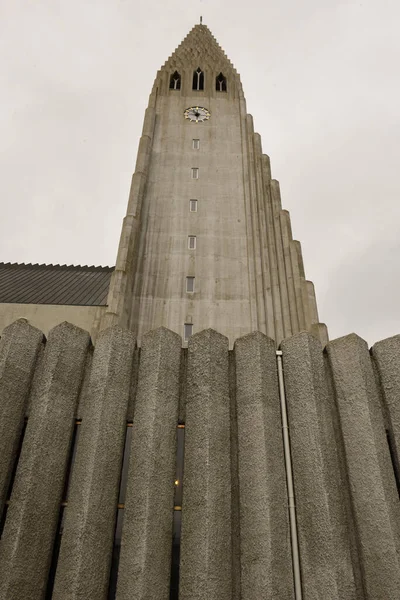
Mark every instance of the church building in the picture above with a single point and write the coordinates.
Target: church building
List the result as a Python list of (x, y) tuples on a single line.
[(179, 427), (205, 241)]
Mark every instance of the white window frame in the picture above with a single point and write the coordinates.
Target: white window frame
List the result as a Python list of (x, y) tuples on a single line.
[(195, 172), (196, 144), (192, 241), (194, 205), (190, 284), (186, 334)]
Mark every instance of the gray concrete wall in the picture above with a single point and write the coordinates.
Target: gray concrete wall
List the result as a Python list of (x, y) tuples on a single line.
[(248, 270), (47, 316), (342, 409)]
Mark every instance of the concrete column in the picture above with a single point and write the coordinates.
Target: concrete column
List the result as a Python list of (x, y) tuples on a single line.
[(119, 305), (262, 226), (320, 331), (27, 542), (259, 280), (144, 568), (298, 281), (312, 302), (271, 252), (283, 287), (286, 239), (87, 541), (373, 489), (205, 570), (266, 566), (319, 480), (387, 357), (19, 348), (249, 227)]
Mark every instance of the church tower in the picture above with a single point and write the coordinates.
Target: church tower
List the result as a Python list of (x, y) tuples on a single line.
[(205, 242)]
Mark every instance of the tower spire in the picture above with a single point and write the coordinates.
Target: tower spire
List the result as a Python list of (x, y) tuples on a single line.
[(201, 20)]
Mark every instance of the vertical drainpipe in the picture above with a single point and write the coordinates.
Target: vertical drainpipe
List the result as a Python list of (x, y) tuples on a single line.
[(289, 482)]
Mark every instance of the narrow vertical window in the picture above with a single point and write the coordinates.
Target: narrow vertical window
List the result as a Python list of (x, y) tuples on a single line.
[(192, 242), (196, 144), (193, 205), (220, 83), (175, 81), (198, 80), (187, 331), (195, 173), (190, 284)]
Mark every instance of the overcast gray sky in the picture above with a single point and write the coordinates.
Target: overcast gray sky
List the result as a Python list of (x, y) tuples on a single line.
[(321, 79)]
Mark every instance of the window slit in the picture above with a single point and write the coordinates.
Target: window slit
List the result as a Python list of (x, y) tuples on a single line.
[(12, 478), (175, 81), (112, 587), (220, 83), (177, 518), (198, 80), (394, 461), (61, 517)]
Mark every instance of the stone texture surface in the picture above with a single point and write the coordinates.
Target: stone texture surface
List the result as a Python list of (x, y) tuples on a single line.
[(206, 517), (372, 485), (243, 265), (19, 348), (144, 568), (387, 357), (87, 541), (26, 545), (323, 524), (266, 568)]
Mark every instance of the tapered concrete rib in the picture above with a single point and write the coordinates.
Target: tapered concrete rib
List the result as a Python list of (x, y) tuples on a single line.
[(373, 489), (312, 302), (262, 227), (298, 287), (283, 285), (266, 568), (387, 356), (205, 570), (26, 545), (259, 275), (122, 280), (286, 239), (324, 543), (87, 542), (144, 568), (19, 348), (271, 252)]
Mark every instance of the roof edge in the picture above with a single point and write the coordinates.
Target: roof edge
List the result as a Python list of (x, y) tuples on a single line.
[(91, 268)]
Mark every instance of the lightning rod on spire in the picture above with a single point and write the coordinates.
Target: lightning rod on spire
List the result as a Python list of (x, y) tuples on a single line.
[(201, 20)]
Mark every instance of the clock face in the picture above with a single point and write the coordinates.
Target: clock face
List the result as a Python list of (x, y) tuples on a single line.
[(197, 114)]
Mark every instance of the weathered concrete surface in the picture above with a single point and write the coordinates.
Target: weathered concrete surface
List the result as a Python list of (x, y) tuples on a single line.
[(87, 542), (144, 568), (266, 567), (47, 316), (26, 545), (372, 485), (323, 527), (206, 510), (245, 277), (19, 348), (387, 357)]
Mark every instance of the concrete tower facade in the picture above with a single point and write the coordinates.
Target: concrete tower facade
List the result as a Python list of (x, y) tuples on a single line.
[(205, 242)]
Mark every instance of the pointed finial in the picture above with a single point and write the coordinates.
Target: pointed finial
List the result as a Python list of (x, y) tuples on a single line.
[(201, 20)]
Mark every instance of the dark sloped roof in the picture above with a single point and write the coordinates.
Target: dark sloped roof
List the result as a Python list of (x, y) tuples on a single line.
[(54, 284)]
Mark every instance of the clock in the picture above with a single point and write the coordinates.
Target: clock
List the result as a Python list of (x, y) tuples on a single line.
[(197, 114)]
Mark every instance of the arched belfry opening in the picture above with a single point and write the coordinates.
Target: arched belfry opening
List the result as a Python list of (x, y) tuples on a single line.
[(198, 80), (175, 81), (220, 83)]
